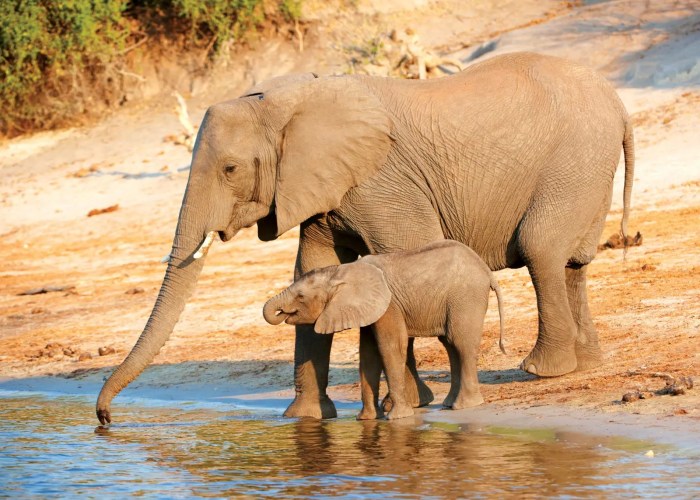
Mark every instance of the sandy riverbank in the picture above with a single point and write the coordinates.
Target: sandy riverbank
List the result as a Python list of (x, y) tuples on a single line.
[(646, 308)]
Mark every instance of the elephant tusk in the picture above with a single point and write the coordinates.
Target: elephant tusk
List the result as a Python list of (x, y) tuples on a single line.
[(204, 247), (165, 259)]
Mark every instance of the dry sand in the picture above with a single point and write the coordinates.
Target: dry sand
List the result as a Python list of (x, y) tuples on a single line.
[(646, 308)]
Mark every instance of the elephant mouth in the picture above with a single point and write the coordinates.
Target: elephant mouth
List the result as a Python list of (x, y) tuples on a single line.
[(227, 234), (287, 316)]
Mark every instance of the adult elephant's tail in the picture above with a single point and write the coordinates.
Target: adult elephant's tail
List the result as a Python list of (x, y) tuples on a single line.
[(628, 148)]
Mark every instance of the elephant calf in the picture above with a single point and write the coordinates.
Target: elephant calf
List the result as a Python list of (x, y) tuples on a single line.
[(441, 289)]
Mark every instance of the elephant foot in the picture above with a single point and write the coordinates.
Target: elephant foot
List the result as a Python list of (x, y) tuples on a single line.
[(370, 413), (425, 395), (417, 395), (550, 362), (588, 356), (469, 401), (400, 411), (305, 406), (449, 401)]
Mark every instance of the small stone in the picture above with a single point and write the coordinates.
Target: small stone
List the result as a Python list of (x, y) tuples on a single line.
[(69, 351), (84, 356), (649, 454), (631, 396), (134, 291), (104, 351)]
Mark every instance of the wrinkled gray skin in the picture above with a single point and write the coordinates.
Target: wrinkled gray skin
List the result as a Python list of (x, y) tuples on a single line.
[(441, 289), (514, 157)]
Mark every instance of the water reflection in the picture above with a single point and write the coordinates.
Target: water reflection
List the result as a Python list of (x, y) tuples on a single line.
[(49, 447)]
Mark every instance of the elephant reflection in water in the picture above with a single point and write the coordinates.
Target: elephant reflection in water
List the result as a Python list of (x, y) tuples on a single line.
[(231, 456), (449, 462)]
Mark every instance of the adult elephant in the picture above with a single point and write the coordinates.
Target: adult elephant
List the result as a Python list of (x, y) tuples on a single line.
[(514, 157)]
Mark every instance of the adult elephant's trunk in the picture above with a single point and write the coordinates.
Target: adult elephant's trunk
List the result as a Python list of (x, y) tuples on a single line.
[(178, 285), (272, 312)]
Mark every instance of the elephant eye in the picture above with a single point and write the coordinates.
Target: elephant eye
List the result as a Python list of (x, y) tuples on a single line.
[(229, 169)]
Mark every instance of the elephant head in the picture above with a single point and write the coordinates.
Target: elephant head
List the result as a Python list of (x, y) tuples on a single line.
[(290, 148), (332, 299)]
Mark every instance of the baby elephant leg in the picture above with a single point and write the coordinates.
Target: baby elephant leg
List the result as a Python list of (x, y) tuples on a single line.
[(464, 333), (392, 340), (370, 373), (417, 392), (454, 372)]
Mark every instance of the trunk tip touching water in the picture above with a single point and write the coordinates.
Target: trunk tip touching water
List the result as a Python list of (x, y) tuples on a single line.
[(178, 285)]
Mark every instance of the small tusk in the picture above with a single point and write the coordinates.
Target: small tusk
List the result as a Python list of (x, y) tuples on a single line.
[(204, 247), (165, 259)]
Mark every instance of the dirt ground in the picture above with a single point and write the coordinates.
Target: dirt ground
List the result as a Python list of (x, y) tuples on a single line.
[(646, 307)]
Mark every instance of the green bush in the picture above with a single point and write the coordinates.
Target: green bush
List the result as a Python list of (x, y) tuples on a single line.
[(52, 52), (290, 9), (44, 45), (217, 21)]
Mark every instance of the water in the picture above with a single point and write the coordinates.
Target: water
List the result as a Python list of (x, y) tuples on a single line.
[(50, 447)]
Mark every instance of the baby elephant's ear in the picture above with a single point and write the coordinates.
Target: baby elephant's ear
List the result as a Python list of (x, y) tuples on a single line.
[(359, 297)]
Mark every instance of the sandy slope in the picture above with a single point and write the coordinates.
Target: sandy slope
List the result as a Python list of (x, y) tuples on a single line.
[(647, 308)]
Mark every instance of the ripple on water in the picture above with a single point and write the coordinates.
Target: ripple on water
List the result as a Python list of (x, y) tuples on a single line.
[(50, 448)]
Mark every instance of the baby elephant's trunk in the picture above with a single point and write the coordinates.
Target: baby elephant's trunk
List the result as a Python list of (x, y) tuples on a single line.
[(272, 311)]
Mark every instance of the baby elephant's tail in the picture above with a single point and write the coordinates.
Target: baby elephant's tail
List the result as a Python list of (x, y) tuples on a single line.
[(497, 289)]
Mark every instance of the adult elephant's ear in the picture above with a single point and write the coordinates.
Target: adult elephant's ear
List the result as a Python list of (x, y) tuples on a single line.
[(359, 297), (336, 136)]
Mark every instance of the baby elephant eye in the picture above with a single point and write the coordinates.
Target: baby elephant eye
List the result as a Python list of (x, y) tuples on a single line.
[(229, 169)]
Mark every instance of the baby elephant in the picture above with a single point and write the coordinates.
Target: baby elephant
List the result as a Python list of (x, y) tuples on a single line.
[(441, 289)]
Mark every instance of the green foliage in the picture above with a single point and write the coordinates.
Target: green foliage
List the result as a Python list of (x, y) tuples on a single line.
[(290, 9), (53, 52), (44, 44), (219, 20)]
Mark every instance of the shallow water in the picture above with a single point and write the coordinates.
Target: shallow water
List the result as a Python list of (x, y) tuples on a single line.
[(49, 446)]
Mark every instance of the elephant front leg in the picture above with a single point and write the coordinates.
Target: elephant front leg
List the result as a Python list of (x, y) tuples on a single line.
[(454, 372), (588, 353), (392, 340), (416, 391), (312, 353), (370, 373)]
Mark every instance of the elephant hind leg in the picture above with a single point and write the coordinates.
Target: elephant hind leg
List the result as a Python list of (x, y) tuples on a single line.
[(545, 256), (464, 334), (554, 352), (588, 353)]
